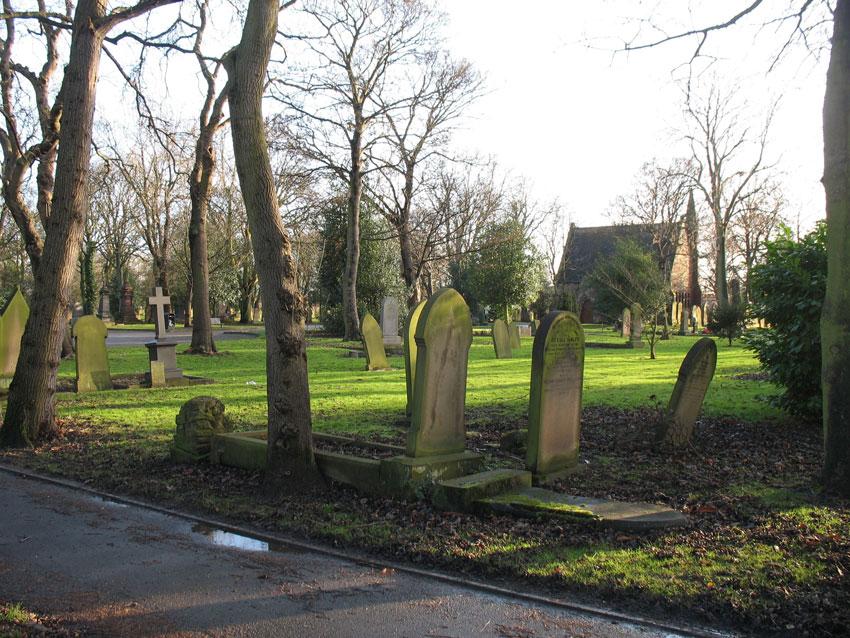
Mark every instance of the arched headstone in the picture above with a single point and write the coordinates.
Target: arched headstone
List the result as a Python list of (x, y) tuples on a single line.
[(373, 344), (501, 340), (92, 362), (410, 352), (695, 375), (513, 332)]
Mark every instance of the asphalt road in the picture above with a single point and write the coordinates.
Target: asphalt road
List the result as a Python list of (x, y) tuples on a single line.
[(120, 570), (116, 338)]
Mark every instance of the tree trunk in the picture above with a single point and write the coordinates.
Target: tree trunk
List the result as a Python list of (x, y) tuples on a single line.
[(30, 409), (352, 238), (720, 266), (290, 460), (835, 319)]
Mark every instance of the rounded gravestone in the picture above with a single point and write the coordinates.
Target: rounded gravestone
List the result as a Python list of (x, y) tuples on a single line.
[(373, 344), (410, 352), (695, 375), (501, 340)]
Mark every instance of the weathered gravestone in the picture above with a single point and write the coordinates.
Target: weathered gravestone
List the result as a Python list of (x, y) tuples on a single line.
[(513, 332), (197, 421), (554, 407), (92, 363), (126, 310), (695, 375), (636, 332), (501, 340), (443, 337), (373, 344), (626, 328), (675, 313), (696, 313), (12, 324), (103, 309), (389, 321), (410, 352), (684, 321)]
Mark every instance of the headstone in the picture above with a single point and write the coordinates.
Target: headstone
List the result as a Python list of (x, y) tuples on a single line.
[(103, 309), (513, 332), (626, 329), (12, 324), (158, 302), (443, 337), (199, 418), (554, 408), (676, 313), (161, 349), (373, 344), (92, 362), (410, 352), (157, 374), (534, 326), (126, 310), (501, 340), (389, 321), (684, 321), (706, 313), (636, 333), (77, 312), (696, 313), (695, 375)]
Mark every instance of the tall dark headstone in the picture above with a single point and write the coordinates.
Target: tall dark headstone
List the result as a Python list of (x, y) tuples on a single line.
[(126, 310), (103, 309)]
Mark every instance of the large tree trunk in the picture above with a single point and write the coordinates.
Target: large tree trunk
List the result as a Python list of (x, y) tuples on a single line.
[(721, 285), (352, 237), (290, 460), (835, 319), (30, 410)]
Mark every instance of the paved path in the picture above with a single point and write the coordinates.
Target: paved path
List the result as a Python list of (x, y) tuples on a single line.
[(117, 338), (120, 570)]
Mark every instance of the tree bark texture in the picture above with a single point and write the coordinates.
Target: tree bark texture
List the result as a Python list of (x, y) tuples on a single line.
[(835, 318), (352, 237), (290, 460)]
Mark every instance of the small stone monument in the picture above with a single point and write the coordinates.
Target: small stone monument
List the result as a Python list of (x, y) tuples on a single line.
[(389, 322), (103, 309), (513, 332), (696, 313), (685, 320), (501, 340), (410, 353), (636, 332), (92, 362), (554, 407), (695, 375), (126, 310), (161, 349), (197, 421), (373, 344), (13, 321), (443, 337), (626, 329)]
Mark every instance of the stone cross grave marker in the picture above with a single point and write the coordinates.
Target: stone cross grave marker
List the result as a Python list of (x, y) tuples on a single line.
[(12, 324), (389, 321), (626, 329), (636, 332), (501, 340), (410, 352), (443, 337), (554, 407), (92, 362), (695, 375), (513, 331), (373, 344), (158, 302)]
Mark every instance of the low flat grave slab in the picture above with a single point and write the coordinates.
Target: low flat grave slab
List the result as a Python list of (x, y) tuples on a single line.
[(535, 501)]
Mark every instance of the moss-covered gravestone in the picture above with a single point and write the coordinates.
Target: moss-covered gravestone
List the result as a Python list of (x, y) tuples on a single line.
[(410, 352), (554, 408), (92, 362), (373, 344), (501, 340), (695, 375), (626, 327), (513, 331), (12, 324), (443, 337), (197, 421)]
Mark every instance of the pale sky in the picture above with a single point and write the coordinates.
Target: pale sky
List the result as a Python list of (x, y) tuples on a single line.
[(578, 121)]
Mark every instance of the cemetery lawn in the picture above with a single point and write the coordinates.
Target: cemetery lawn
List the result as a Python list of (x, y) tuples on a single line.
[(765, 550)]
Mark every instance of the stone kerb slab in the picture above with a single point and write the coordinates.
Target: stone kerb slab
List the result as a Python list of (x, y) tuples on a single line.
[(373, 344), (12, 325), (513, 331), (410, 352), (695, 375), (92, 362), (554, 408), (626, 329), (443, 337), (501, 340)]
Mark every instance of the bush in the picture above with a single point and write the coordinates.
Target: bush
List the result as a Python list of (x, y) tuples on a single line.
[(728, 320), (788, 292)]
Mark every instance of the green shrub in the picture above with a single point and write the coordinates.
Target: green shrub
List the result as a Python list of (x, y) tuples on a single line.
[(728, 320), (788, 292)]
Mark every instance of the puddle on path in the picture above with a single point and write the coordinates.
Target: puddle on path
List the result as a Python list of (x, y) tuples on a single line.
[(237, 541)]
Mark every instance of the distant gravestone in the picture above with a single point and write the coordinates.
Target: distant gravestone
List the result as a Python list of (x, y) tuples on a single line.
[(157, 374), (554, 408), (696, 313), (373, 344), (76, 312), (12, 324), (676, 313), (126, 310), (199, 418), (695, 375), (501, 340), (389, 321), (534, 326), (636, 333), (92, 363), (443, 337), (513, 331), (410, 352), (103, 309), (626, 329), (684, 321)]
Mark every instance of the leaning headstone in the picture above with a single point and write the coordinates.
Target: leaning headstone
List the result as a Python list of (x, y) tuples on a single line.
[(197, 421), (513, 332), (626, 329), (373, 344), (443, 337), (501, 340), (684, 321), (92, 363), (410, 352), (636, 332), (695, 375), (389, 321), (554, 407), (12, 324)]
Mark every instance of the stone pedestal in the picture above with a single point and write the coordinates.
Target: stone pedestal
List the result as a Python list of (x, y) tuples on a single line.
[(165, 351), (126, 311), (103, 309)]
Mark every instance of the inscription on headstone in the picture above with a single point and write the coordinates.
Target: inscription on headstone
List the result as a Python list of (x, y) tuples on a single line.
[(501, 340), (695, 375)]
